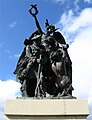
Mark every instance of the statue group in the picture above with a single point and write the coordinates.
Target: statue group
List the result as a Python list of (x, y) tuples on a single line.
[(44, 68)]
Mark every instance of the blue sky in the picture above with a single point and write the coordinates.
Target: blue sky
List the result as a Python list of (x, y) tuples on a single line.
[(17, 24), (73, 17)]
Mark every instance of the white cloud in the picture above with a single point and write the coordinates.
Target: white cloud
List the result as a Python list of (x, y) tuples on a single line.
[(76, 5), (84, 20), (73, 25), (13, 24), (69, 4), (78, 29), (9, 89), (61, 1), (2, 117), (75, 1), (80, 51), (66, 20), (88, 1)]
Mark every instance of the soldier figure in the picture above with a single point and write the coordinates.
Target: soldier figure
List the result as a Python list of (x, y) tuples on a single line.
[(45, 65)]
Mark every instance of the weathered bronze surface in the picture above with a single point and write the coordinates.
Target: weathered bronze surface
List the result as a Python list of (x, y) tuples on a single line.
[(44, 68)]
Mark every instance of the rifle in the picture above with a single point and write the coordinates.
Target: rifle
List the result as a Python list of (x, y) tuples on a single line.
[(39, 74)]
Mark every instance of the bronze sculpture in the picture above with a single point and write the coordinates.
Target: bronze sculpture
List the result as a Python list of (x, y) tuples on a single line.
[(44, 65)]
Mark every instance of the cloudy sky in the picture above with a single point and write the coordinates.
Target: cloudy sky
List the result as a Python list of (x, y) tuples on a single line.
[(74, 20)]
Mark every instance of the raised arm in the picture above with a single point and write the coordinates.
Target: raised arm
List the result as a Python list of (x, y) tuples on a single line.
[(34, 15)]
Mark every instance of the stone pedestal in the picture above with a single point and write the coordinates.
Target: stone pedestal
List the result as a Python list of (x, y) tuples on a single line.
[(46, 109)]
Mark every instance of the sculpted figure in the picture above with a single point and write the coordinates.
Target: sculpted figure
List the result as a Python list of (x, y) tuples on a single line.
[(44, 65), (27, 67), (58, 59)]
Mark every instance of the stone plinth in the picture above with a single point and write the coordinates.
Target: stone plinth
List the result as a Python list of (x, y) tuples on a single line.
[(46, 109)]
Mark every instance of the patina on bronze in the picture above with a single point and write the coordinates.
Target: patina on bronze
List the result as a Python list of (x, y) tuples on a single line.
[(44, 68)]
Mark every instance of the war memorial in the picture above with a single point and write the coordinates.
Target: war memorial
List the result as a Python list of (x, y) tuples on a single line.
[(44, 70)]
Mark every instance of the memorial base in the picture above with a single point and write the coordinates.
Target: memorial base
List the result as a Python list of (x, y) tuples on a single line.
[(46, 109)]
